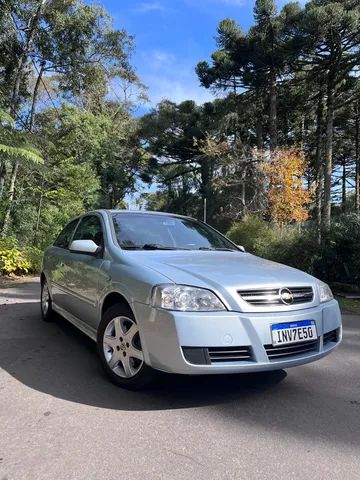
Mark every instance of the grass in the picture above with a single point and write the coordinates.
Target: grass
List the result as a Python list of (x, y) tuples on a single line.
[(349, 305)]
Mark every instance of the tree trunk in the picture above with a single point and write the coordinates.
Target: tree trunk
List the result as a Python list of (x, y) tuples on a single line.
[(38, 216), (302, 132), (357, 158), (318, 165), (326, 217), (7, 216), (24, 58), (259, 120), (206, 189), (243, 190), (273, 110), (343, 185), (35, 97), (2, 176)]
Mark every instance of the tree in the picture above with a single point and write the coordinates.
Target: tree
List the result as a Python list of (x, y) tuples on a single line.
[(16, 146), (331, 36), (287, 196), (70, 41), (254, 62)]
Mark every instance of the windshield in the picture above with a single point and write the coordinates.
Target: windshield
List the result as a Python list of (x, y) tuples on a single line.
[(136, 231)]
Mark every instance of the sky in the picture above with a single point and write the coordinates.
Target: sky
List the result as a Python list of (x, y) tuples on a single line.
[(171, 37)]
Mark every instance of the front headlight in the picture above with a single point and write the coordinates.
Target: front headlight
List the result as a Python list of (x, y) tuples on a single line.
[(186, 299), (325, 292)]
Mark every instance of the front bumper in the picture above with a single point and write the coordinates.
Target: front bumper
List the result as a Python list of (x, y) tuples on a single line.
[(167, 336)]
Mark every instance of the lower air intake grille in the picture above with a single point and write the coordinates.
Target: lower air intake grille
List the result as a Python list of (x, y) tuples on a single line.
[(211, 355), (275, 353), (229, 354), (330, 337)]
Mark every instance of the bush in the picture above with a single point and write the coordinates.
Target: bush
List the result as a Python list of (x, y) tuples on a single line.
[(14, 260), (34, 255), (337, 260), (296, 248), (340, 258), (252, 233)]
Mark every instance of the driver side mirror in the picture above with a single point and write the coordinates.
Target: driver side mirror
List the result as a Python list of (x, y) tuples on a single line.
[(84, 246), (240, 247)]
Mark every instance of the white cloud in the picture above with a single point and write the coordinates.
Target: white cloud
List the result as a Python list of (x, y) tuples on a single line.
[(176, 90), (160, 58), (234, 3), (146, 7), (171, 78)]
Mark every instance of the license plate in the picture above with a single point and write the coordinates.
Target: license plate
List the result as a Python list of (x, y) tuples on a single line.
[(286, 333)]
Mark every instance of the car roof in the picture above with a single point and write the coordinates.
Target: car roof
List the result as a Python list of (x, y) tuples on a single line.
[(141, 212)]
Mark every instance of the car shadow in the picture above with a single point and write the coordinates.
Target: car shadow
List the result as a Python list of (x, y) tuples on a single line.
[(57, 359)]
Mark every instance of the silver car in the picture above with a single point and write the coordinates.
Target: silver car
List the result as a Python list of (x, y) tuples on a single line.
[(159, 291)]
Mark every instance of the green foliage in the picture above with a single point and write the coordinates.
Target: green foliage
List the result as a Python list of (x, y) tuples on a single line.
[(336, 261), (34, 256), (297, 248), (12, 260), (253, 233), (340, 259), (18, 152), (288, 245), (15, 144), (17, 260)]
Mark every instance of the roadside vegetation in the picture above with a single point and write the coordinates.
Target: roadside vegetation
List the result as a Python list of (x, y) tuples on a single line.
[(274, 160)]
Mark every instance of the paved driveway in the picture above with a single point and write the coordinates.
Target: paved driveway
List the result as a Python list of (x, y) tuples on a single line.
[(61, 419)]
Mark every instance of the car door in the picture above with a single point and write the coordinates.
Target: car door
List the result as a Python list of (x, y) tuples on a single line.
[(56, 265), (85, 276)]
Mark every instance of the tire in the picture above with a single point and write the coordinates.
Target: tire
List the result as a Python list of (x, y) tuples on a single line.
[(47, 312), (119, 348)]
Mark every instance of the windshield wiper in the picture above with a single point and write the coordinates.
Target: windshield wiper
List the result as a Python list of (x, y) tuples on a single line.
[(148, 246), (157, 246), (219, 249)]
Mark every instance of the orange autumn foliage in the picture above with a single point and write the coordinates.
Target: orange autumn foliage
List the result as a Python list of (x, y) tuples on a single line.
[(287, 196)]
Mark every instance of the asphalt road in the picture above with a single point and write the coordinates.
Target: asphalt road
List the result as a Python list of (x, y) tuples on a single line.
[(61, 419)]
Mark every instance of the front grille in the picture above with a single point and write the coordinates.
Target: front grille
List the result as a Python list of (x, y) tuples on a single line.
[(277, 352), (211, 355), (330, 337), (272, 296), (229, 354)]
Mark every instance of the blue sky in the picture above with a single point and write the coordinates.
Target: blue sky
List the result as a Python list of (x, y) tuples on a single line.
[(172, 36)]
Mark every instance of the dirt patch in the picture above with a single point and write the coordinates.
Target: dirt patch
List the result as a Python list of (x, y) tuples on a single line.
[(15, 281)]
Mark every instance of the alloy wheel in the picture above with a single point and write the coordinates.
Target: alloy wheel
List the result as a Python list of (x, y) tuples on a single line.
[(122, 347), (45, 299)]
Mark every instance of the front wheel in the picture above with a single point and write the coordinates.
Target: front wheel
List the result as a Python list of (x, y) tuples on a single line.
[(47, 312), (120, 351)]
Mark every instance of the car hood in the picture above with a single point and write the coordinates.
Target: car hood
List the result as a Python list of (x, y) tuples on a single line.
[(221, 269)]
